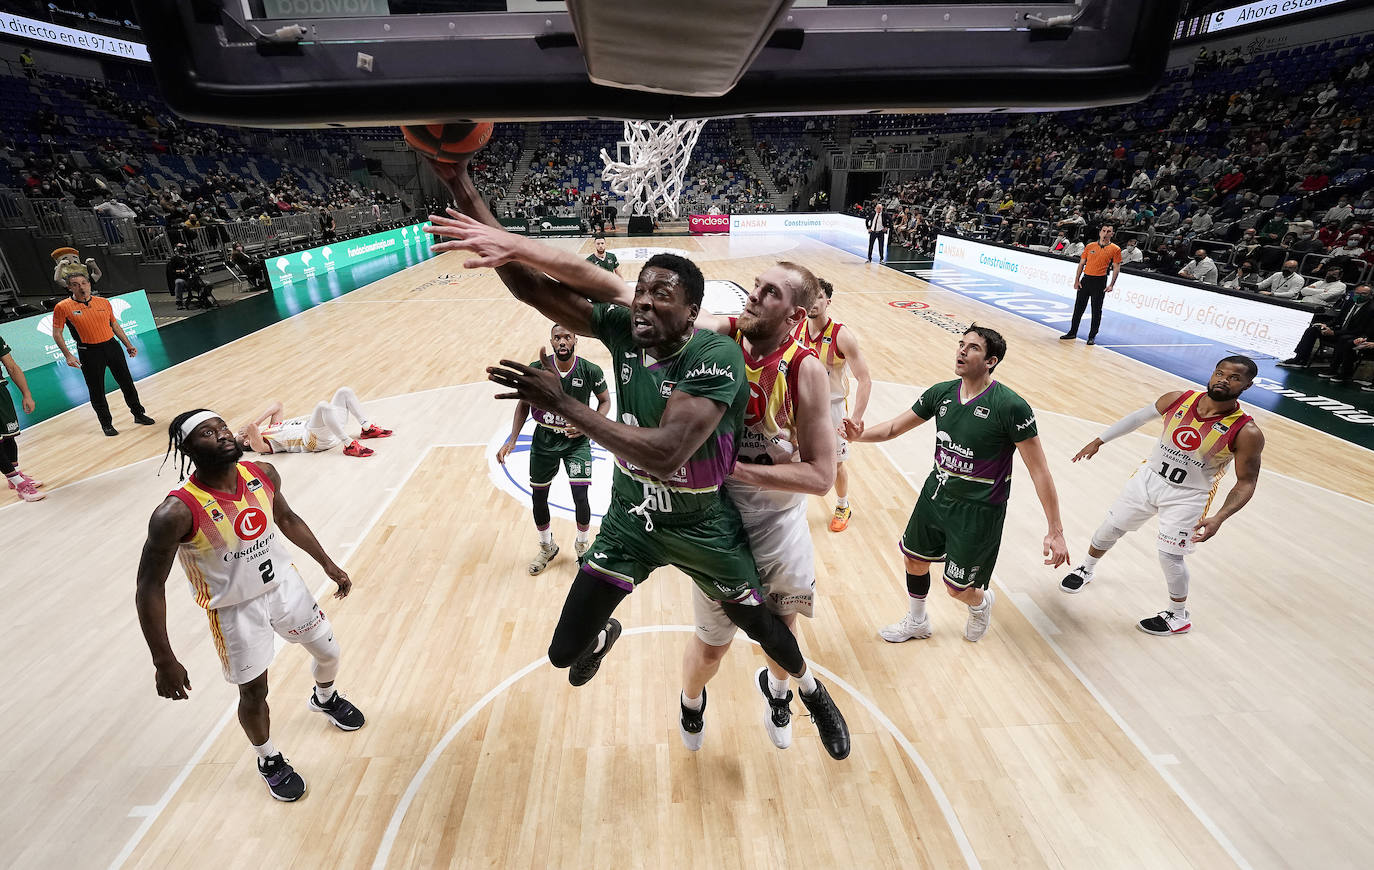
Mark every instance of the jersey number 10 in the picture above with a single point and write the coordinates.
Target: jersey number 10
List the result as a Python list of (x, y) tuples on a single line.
[(1173, 475)]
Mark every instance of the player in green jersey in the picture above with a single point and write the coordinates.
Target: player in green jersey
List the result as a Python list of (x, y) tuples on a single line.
[(557, 441), (681, 394), (609, 262), (958, 517), (21, 483)]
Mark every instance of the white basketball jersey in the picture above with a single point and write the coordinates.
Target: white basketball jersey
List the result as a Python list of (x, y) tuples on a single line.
[(234, 551)]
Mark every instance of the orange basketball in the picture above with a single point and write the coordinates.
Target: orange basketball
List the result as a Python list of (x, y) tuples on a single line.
[(447, 143)]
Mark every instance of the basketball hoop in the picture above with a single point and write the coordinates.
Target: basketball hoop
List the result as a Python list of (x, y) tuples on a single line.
[(651, 180)]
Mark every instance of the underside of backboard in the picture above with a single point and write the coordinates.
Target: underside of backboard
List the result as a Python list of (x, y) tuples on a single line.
[(296, 63)]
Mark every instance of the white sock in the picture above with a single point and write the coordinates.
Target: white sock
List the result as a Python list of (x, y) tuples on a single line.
[(322, 694), (546, 536), (918, 608), (1178, 608), (583, 536), (691, 703), (777, 687), (600, 640), (1090, 562), (842, 502), (15, 477), (806, 682), (987, 599), (266, 750)]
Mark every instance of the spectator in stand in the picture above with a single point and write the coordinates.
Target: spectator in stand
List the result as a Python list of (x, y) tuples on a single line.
[(1202, 223), (179, 273), (1131, 254), (1168, 219), (1202, 268), (26, 61), (1283, 284), (1324, 292), (1246, 277), (1338, 213), (1164, 259), (1349, 330)]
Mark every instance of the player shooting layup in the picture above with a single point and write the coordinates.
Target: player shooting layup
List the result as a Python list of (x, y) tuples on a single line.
[(1203, 432)]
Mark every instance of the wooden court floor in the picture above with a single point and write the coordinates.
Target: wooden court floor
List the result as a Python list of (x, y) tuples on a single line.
[(1065, 739)]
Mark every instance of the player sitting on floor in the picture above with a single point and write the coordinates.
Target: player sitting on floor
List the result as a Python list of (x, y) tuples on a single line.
[(322, 430)]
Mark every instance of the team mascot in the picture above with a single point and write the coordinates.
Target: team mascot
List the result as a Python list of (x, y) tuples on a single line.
[(69, 263)]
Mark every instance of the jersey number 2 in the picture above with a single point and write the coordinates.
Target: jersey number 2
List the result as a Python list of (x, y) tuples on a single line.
[(265, 569)]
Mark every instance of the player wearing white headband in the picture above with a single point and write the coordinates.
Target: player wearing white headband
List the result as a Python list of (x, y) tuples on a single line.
[(220, 524)]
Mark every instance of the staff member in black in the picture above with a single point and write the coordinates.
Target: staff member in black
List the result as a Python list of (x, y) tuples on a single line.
[(94, 326), (1099, 261), (878, 222)]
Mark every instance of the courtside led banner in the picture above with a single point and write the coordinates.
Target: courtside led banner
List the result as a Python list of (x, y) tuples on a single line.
[(708, 223), (301, 265), (806, 222), (20, 27), (31, 338), (1247, 324)]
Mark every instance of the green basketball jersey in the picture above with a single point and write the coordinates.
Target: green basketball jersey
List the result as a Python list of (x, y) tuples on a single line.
[(582, 381), (974, 440), (610, 264), (708, 365), (4, 350)]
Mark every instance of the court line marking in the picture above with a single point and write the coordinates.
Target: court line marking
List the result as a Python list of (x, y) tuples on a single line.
[(1203, 344), (398, 815), (150, 813), (1156, 761), (1152, 366)]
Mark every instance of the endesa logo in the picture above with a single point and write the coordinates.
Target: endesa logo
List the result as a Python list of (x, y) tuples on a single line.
[(709, 223), (250, 524)]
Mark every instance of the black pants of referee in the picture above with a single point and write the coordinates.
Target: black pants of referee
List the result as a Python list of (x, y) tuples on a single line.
[(1094, 291), (95, 359)]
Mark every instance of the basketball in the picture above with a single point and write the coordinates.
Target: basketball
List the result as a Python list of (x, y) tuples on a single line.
[(447, 143)]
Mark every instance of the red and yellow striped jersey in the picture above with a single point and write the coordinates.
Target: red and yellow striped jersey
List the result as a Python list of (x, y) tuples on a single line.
[(1193, 451), (770, 419), (826, 346), (234, 551)]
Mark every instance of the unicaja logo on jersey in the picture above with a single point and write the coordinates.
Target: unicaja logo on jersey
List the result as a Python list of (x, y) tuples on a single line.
[(250, 524), (1187, 439)]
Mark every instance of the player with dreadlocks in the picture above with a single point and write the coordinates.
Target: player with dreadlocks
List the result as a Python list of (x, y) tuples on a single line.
[(219, 522)]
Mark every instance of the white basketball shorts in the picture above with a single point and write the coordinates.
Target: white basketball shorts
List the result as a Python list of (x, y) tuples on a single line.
[(1179, 509), (781, 541), (244, 632), (837, 413)]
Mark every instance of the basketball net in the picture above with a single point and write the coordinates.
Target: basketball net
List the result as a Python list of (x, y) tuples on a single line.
[(651, 182)]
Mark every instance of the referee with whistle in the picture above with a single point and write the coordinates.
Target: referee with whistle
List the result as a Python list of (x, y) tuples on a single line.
[(94, 326)]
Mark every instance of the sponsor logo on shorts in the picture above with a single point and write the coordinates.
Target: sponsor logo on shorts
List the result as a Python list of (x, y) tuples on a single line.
[(308, 626), (250, 524), (954, 571), (1187, 438)]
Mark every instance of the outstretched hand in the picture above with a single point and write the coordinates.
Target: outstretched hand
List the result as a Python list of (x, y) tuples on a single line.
[(1056, 550), (493, 247), (1089, 450), (539, 387)]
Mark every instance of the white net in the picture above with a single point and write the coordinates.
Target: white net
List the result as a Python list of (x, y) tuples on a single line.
[(658, 151)]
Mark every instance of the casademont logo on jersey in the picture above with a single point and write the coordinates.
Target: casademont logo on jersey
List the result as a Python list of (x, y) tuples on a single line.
[(250, 524), (1187, 439)]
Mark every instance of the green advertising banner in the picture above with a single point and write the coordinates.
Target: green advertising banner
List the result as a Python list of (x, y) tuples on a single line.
[(565, 225), (291, 268), (31, 338)]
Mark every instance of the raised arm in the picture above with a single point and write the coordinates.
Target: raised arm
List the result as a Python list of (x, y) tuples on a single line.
[(558, 303), (815, 472), (1249, 446), (1056, 552), (170, 523), (298, 533)]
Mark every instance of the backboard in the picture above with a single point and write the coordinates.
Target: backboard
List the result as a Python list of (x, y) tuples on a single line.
[(312, 63)]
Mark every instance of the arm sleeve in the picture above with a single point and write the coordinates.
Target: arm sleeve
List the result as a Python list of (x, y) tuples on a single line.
[(1129, 423)]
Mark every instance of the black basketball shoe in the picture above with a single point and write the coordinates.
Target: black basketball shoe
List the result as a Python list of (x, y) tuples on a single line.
[(692, 723), (829, 721), (588, 664), (344, 715), (282, 780)]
